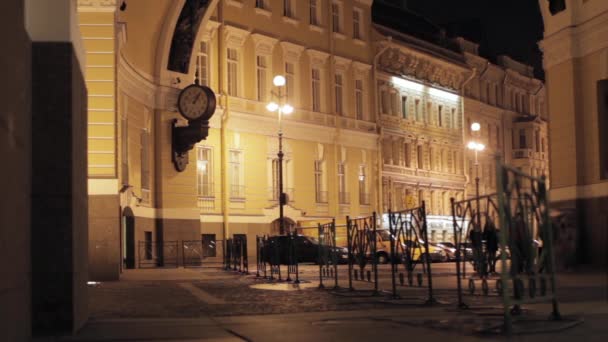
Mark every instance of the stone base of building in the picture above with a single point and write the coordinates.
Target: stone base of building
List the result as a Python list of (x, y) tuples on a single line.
[(581, 232)]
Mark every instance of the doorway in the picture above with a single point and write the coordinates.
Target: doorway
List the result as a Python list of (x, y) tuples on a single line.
[(128, 239)]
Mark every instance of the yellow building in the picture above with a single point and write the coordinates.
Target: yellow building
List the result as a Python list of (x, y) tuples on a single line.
[(575, 59), (380, 121)]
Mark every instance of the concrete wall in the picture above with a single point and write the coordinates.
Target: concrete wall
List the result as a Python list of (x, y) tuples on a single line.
[(104, 237), (15, 144)]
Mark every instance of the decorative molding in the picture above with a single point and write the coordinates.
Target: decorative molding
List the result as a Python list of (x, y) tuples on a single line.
[(96, 5), (291, 51), (398, 62), (263, 45), (208, 32), (342, 63), (317, 58), (235, 37), (361, 67)]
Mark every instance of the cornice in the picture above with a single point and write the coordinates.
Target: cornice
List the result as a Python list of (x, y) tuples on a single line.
[(235, 37), (399, 62), (342, 63), (361, 67), (209, 30), (263, 44), (291, 51), (317, 58), (96, 5)]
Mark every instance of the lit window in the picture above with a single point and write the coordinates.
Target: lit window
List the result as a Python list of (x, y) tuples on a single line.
[(237, 189), (204, 170), (202, 60), (363, 195), (342, 194), (320, 194)]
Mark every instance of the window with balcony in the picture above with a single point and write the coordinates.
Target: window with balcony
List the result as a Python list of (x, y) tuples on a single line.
[(204, 168), (522, 138), (316, 90), (261, 77), (359, 99), (338, 94), (232, 60)]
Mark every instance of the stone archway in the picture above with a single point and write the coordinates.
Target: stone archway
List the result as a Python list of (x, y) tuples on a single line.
[(275, 227)]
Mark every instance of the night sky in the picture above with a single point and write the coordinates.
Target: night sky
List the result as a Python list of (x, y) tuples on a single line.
[(510, 27)]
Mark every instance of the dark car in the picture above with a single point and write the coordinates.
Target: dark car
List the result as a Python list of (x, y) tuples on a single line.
[(306, 248)]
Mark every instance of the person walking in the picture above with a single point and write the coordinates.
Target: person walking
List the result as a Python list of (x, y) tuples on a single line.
[(490, 235)]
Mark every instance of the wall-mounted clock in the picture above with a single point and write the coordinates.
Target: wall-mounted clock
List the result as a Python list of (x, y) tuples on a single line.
[(196, 102)]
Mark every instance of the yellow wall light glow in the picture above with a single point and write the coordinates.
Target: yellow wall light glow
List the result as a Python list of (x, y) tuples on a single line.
[(443, 94), (400, 82)]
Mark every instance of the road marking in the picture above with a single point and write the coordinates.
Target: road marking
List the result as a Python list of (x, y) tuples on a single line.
[(201, 294)]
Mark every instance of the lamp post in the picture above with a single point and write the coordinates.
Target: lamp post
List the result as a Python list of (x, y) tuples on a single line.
[(476, 147), (281, 108)]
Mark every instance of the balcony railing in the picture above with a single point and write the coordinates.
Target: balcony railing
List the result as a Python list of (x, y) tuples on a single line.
[(344, 197), (522, 153), (364, 198), (321, 196), (205, 190), (237, 192)]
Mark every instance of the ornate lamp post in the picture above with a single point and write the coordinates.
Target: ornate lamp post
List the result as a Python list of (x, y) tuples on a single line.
[(476, 147), (281, 108)]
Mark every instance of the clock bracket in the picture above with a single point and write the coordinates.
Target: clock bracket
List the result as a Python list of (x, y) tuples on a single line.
[(184, 138)]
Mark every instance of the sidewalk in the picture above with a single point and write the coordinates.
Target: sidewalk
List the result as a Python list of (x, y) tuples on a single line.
[(215, 305)]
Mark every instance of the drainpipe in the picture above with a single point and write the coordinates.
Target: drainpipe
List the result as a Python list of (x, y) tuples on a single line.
[(225, 116), (462, 96), (380, 163), (332, 101)]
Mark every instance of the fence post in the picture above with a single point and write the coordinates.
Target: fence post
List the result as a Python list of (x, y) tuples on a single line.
[(335, 251), (349, 244), (374, 257), (431, 300), (393, 254)]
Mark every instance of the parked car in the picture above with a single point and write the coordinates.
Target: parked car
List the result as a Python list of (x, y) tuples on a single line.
[(383, 249), (449, 248), (307, 249)]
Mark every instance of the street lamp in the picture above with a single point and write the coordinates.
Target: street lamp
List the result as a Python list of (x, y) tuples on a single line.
[(477, 147), (281, 108)]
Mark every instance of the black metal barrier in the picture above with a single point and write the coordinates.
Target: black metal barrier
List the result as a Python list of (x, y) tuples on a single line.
[(476, 241), (292, 257), (157, 254), (261, 248), (407, 229), (274, 251), (192, 253), (235, 254), (524, 217), (328, 253), (361, 238)]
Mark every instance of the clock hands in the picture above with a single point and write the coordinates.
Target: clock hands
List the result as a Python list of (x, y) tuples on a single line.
[(196, 99)]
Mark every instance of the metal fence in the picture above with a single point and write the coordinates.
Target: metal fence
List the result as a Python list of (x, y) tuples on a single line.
[(409, 248), (475, 224), (361, 239), (235, 254), (328, 253), (193, 253), (157, 254)]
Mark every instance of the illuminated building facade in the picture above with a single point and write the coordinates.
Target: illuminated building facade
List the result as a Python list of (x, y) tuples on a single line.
[(380, 120)]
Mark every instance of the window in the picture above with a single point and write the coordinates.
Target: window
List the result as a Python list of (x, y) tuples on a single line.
[(261, 77), (522, 138), (237, 190), (316, 90), (202, 61), (363, 195), (420, 197), (320, 195), (204, 169), (404, 107), (489, 134), (288, 8), (394, 103), (537, 141), (497, 136), (342, 194), (427, 116), (314, 14), (338, 94), (356, 24), (209, 249), (440, 116), (432, 156), (384, 101), (261, 4), (124, 142), (290, 82), (335, 17), (145, 159), (359, 99), (417, 110), (232, 72), (419, 156), (407, 155)]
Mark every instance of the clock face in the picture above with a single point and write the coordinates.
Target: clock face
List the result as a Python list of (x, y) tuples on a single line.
[(193, 102)]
